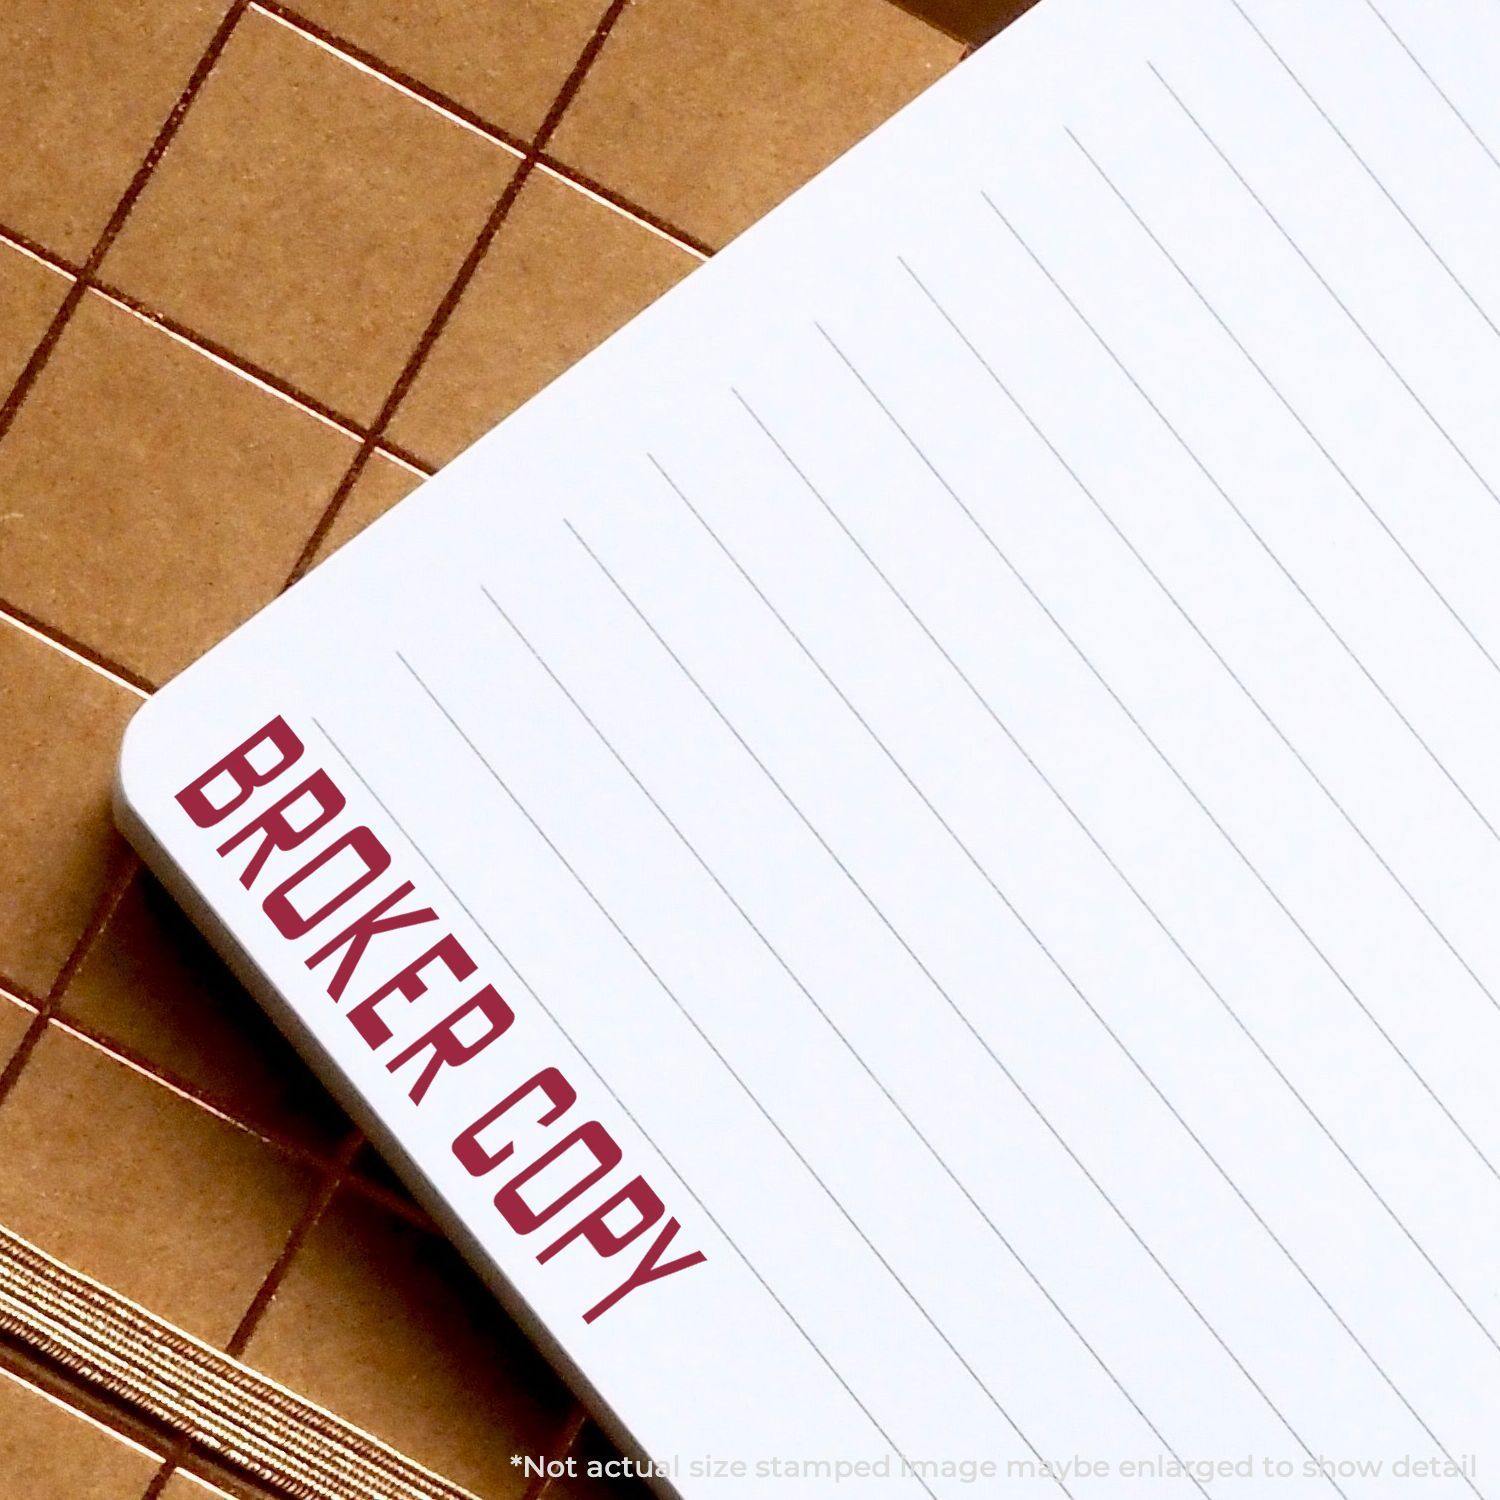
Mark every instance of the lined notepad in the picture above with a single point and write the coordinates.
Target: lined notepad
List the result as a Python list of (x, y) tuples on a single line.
[(909, 856)]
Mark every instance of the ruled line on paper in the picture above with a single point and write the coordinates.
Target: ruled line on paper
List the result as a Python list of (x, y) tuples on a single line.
[(1369, 171), (1068, 979), (759, 932), (1291, 410), (807, 483), (1229, 839), (604, 1083), (1224, 495), (1327, 286), (730, 1069), (1437, 88), (1244, 688), (1322, 786), (1109, 859)]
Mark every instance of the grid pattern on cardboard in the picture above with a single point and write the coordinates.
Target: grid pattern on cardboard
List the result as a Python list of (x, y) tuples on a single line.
[(336, 1170)]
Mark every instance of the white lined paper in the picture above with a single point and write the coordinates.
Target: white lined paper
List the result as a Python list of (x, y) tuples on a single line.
[(975, 721)]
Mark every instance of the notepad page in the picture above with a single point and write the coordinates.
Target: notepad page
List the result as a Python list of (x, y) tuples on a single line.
[(956, 764)]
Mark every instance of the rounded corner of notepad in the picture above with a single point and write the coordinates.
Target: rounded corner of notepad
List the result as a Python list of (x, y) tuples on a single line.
[(134, 780)]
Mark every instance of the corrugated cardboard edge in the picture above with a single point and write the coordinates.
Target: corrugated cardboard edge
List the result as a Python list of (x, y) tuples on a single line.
[(241, 1417)]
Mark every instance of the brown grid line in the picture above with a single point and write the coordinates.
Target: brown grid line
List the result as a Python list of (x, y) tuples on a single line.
[(413, 85), (125, 676), (203, 1099), (333, 1179), (170, 126), (566, 1441), (414, 363), (284, 388), (18, 994), (33, 1369), (22, 387), (61, 1020), (555, 167), (149, 313), (460, 283), (58, 637), (289, 392), (170, 1466), (394, 1203), (173, 1462), (293, 19), (38, 251), (126, 865), (317, 1204), (47, 1008)]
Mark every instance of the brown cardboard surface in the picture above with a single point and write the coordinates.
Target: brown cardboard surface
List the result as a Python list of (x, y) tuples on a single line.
[(156, 498), (84, 89), (309, 216), (712, 111), (504, 62), (151, 985), (60, 725), (972, 21), (564, 272), (419, 1353), (323, 178), (186, 1487), (15, 1021), (30, 293), (62, 1455), (381, 485), (140, 1188)]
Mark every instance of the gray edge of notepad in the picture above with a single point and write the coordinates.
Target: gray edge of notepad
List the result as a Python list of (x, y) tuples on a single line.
[(375, 1129)]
